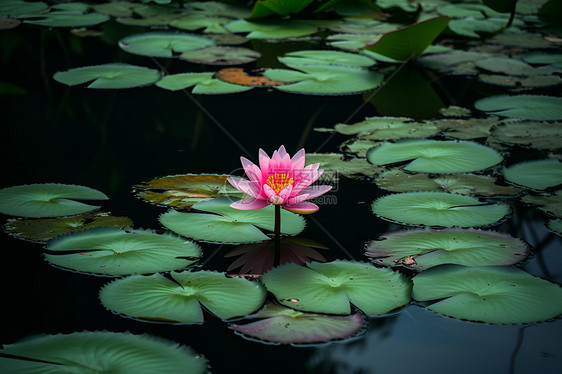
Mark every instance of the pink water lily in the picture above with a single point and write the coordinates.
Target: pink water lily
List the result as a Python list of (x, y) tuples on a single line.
[(279, 180)]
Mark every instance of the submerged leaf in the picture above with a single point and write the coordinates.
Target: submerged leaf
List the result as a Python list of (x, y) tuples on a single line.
[(108, 76), (163, 44), (112, 251), (47, 200), (502, 295), (535, 107), (87, 352), (180, 298), (438, 209), (423, 249), (330, 287), (537, 175)]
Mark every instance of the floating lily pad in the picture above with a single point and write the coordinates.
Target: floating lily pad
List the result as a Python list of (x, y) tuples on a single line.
[(288, 326), (388, 128), (271, 29), (435, 156), (464, 129), (396, 180), (542, 58), (112, 251), (455, 111), (455, 62), (350, 42), (474, 28), (47, 200), (540, 135), (284, 8), (555, 225), (358, 146), (521, 82), (202, 83), (409, 42), (534, 107), (423, 249), (240, 77), (335, 166), (179, 298), (87, 352), (42, 230), (325, 79), (163, 44), (216, 55), (15, 8), (116, 8), (196, 22), (330, 287), (503, 295), (109, 76), (325, 57), (182, 191), (505, 65), (537, 175), (438, 209), (68, 19), (229, 225), (551, 204)]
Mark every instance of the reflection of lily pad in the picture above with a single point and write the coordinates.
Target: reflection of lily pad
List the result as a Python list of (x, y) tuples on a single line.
[(325, 79), (288, 326), (182, 191), (330, 287), (334, 165), (435, 156), (112, 251), (221, 56), (42, 230), (488, 294), (47, 200), (229, 225), (108, 76), (536, 175), (202, 83), (534, 107), (463, 184), (438, 209), (421, 250), (550, 204), (87, 352), (163, 44), (179, 299), (541, 135), (271, 29), (325, 57)]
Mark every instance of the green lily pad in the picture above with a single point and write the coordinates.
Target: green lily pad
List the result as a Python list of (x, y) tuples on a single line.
[(455, 62), (438, 209), (435, 156), (358, 146), (350, 42), (288, 326), (179, 299), (535, 107), (325, 79), (271, 29), (505, 65), (216, 55), (109, 76), (163, 44), (285, 8), (202, 83), (520, 82), (536, 175), (396, 180), (423, 249), (45, 229), (216, 8), (330, 287), (542, 58), (182, 191), (473, 28), (464, 129), (113, 251), (334, 165), (540, 135), (229, 225), (502, 295), (409, 42), (196, 22), (116, 8), (47, 200), (15, 8), (555, 225), (325, 57), (87, 352), (551, 204), (68, 19), (455, 111)]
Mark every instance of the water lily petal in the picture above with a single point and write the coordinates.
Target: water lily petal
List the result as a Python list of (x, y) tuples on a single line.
[(309, 193), (245, 186), (249, 204), (301, 208), (264, 163), (298, 161), (308, 176), (252, 171)]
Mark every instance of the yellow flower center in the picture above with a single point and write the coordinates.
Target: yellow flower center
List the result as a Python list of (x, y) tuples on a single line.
[(279, 181)]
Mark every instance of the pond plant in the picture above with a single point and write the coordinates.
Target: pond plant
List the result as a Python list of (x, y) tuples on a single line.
[(435, 136)]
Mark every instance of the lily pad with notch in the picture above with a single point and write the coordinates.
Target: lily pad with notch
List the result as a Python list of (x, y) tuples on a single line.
[(163, 44), (435, 156), (501, 295), (330, 287), (220, 55), (108, 76), (113, 251), (47, 200), (229, 225), (438, 209), (535, 175), (202, 83), (281, 325), (87, 352), (179, 297), (387, 128), (423, 249)]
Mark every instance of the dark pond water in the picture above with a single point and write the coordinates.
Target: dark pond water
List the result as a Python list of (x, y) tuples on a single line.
[(112, 139)]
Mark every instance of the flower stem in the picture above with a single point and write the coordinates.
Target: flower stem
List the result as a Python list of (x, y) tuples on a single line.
[(277, 229)]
